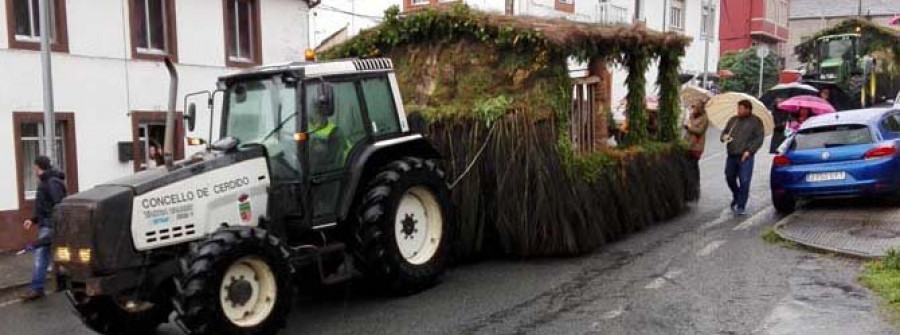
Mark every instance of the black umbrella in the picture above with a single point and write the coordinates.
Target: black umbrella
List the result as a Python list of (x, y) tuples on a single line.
[(837, 97), (783, 91)]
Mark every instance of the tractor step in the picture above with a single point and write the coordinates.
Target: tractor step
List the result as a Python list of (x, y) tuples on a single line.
[(309, 255)]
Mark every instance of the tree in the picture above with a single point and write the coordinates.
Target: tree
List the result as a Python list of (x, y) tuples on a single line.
[(745, 66)]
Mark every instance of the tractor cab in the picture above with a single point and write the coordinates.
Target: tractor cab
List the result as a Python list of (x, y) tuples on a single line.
[(837, 56), (312, 119)]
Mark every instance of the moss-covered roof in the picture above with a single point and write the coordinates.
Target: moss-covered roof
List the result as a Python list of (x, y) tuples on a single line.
[(874, 36), (578, 39)]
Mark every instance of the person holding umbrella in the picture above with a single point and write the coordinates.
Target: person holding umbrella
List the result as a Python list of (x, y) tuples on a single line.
[(804, 106), (744, 134)]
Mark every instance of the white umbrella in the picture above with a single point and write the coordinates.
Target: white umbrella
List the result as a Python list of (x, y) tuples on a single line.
[(722, 107), (691, 95)]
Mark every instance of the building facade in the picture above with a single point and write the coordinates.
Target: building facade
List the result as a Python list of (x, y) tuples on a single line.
[(686, 16), (111, 86), (809, 16), (755, 22)]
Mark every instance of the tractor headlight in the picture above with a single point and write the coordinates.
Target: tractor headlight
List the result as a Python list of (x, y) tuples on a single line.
[(62, 254), (84, 255)]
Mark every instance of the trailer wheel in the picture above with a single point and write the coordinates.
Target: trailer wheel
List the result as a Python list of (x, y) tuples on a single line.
[(404, 229), (107, 315), (237, 281)]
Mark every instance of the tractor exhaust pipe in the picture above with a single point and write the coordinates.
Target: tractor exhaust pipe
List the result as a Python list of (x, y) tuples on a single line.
[(169, 143)]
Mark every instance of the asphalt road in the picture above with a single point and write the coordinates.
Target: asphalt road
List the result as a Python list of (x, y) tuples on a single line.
[(706, 272)]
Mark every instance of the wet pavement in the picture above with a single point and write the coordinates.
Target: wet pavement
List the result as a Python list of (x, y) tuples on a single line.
[(857, 227), (705, 272)]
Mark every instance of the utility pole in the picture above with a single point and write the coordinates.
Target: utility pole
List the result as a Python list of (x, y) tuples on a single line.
[(710, 10), (859, 8), (49, 119), (509, 7), (665, 11)]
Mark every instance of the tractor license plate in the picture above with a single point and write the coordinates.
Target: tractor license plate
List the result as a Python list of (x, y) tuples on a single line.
[(825, 176)]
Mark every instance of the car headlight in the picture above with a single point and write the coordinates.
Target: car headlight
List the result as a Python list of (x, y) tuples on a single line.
[(62, 254)]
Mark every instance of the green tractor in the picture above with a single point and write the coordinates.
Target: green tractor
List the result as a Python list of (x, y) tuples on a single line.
[(839, 65)]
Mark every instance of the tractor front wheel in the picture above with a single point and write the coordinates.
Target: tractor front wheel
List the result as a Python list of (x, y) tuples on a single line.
[(108, 315), (237, 281)]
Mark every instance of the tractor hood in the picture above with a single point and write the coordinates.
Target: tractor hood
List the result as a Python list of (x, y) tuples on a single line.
[(100, 219), (148, 180)]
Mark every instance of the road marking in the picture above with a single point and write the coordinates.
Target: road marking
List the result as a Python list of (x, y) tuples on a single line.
[(614, 313), (709, 248), (11, 302), (660, 281), (756, 218), (723, 216), (710, 157)]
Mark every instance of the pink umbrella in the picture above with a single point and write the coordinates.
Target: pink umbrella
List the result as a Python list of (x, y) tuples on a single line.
[(815, 104), (895, 21)]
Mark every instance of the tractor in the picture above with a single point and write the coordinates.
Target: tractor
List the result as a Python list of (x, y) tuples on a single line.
[(838, 64), (316, 178)]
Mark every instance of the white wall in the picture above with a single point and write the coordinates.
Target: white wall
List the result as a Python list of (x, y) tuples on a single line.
[(99, 82)]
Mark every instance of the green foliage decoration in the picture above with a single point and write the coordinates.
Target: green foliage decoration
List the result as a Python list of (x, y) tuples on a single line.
[(637, 62), (669, 106)]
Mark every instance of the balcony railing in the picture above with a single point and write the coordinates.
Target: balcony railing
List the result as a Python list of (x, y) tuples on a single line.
[(608, 13)]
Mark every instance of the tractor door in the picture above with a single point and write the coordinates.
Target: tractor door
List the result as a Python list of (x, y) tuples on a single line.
[(333, 130)]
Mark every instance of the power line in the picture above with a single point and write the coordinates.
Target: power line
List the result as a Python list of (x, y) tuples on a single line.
[(341, 11)]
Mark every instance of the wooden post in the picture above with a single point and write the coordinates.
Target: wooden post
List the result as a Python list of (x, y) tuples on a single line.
[(602, 96)]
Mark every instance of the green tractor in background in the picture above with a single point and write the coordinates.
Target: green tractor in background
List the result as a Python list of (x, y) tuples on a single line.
[(847, 58), (839, 64)]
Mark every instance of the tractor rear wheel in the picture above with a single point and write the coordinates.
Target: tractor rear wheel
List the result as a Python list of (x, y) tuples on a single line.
[(108, 315), (404, 229), (237, 281)]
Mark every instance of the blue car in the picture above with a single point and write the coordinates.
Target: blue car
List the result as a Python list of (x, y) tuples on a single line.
[(845, 154)]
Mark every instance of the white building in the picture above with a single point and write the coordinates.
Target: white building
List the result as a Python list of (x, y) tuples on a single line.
[(685, 16), (110, 84)]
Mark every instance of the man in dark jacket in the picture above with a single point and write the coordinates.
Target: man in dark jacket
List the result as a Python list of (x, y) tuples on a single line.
[(50, 191), (743, 135)]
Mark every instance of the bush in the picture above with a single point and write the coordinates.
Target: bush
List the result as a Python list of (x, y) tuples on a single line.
[(745, 66)]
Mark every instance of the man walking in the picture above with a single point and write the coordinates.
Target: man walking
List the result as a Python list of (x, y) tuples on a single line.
[(50, 191), (743, 135)]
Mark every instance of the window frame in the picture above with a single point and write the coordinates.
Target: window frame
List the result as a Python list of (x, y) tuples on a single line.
[(139, 117), (171, 34), (255, 33), (71, 154), (60, 43), (564, 5), (680, 18)]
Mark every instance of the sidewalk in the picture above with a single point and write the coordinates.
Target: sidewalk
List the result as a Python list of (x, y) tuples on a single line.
[(15, 270), (866, 232)]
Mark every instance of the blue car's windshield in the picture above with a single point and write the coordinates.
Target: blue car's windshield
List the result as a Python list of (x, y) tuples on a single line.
[(832, 136)]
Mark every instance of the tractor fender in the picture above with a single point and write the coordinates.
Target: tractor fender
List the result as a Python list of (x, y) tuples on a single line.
[(368, 159)]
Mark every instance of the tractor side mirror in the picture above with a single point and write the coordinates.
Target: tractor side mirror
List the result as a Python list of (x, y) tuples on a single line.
[(191, 117)]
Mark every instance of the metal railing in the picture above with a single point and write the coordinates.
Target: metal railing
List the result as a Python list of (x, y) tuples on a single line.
[(608, 13)]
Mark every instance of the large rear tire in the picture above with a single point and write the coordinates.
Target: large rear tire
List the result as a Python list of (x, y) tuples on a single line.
[(237, 281), (404, 229), (107, 315)]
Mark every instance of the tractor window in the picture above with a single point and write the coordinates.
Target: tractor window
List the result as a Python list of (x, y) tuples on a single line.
[(333, 134), (380, 105), (264, 112)]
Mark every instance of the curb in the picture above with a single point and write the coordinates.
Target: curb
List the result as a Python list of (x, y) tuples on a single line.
[(821, 247)]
